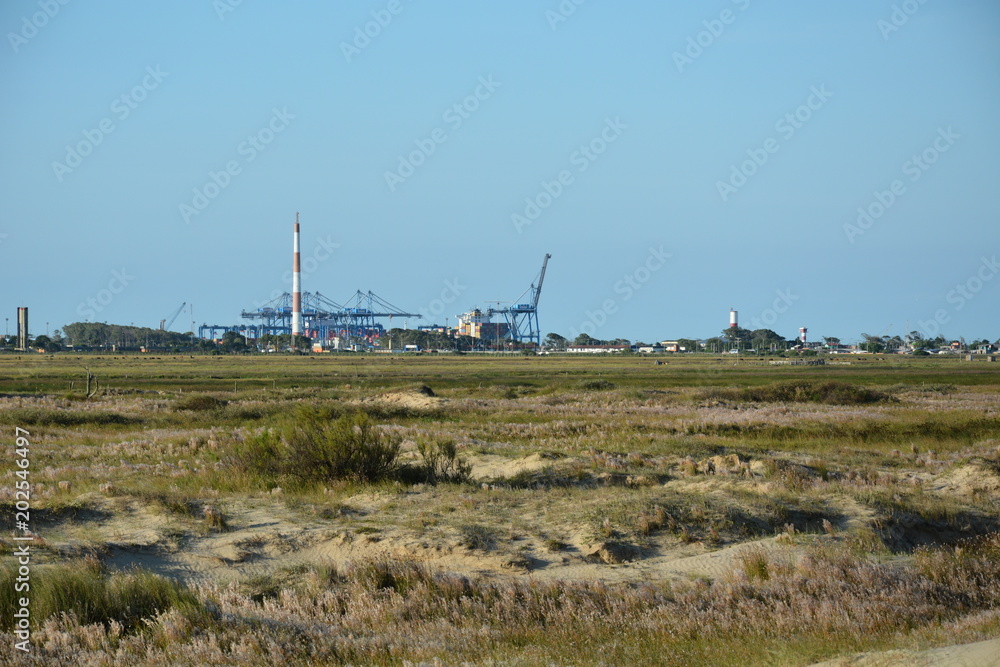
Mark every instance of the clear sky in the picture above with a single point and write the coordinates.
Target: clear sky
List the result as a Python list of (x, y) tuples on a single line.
[(684, 158)]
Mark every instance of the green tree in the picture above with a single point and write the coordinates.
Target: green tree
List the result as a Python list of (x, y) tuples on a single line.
[(555, 341), (233, 343), (736, 336), (765, 339), (46, 343), (715, 345), (873, 344), (688, 344)]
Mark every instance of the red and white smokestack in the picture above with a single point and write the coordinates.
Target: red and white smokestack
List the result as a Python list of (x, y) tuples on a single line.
[(296, 283), (802, 334), (732, 319)]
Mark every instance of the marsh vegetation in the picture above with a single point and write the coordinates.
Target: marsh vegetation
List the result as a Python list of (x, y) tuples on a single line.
[(376, 510)]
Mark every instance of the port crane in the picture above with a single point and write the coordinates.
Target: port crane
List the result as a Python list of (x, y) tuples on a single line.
[(169, 322), (522, 317)]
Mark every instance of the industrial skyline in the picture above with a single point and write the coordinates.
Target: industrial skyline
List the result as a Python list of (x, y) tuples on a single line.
[(358, 323), (821, 165)]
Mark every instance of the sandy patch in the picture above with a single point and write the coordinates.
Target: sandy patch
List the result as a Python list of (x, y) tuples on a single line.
[(414, 400), (488, 467), (979, 654)]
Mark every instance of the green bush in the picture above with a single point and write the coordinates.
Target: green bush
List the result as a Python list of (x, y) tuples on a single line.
[(312, 448), (441, 462)]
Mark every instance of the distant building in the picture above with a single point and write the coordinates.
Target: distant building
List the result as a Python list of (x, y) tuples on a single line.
[(478, 324), (435, 328), (598, 349)]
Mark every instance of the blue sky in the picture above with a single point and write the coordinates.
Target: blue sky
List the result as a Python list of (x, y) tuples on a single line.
[(713, 155)]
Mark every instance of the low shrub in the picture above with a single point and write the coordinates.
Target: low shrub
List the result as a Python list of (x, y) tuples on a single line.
[(311, 448), (477, 536), (441, 463)]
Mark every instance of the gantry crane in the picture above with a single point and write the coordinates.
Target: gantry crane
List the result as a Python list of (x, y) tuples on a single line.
[(522, 317)]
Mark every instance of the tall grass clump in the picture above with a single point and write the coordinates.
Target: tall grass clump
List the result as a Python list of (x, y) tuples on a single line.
[(312, 448), (95, 596)]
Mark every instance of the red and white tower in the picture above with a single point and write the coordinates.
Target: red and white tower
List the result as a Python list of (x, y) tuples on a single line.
[(733, 321), (802, 335), (296, 283)]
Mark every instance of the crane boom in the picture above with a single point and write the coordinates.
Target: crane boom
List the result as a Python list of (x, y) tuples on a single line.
[(541, 279), (167, 323)]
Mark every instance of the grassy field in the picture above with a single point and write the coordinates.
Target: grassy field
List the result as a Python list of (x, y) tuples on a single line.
[(525, 510)]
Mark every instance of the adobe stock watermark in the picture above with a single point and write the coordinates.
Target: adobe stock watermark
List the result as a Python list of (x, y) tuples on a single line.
[(364, 34), (562, 12), (914, 168), (455, 116), (626, 288), (30, 25), (223, 7), (121, 108), (91, 306), (899, 17), (960, 296), (248, 149), (451, 290), (786, 127), (309, 264), (22, 522), (783, 301), (581, 158), (704, 39)]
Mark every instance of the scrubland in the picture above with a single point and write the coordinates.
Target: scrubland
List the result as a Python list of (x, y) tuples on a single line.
[(503, 510)]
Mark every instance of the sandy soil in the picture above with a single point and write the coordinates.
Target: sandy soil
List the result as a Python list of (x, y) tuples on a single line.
[(979, 654), (265, 536)]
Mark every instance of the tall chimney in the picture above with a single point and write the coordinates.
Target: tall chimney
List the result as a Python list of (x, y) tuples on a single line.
[(296, 283), (22, 328)]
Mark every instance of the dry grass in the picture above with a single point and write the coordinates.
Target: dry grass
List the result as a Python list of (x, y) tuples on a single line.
[(827, 602)]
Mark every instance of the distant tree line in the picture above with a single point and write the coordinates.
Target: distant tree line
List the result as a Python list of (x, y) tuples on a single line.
[(101, 336), (765, 341), (97, 335), (397, 339)]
